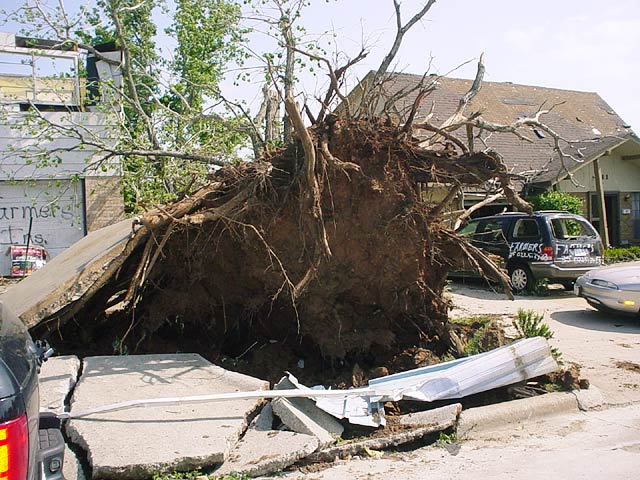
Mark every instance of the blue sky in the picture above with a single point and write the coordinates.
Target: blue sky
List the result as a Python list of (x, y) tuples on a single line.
[(573, 44)]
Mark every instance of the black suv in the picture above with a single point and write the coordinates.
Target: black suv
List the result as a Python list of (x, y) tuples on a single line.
[(31, 445), (555, 245)]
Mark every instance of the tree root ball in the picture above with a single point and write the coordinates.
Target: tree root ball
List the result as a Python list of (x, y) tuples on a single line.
[(246, 265)]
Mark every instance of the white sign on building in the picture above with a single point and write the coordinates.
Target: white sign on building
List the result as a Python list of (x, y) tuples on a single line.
[(53, 210)]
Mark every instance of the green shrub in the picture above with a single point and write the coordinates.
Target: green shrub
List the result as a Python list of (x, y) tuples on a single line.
[(529, 324), (557, 201), (446, 439), (617, 255), (540, 289), (474, 346)]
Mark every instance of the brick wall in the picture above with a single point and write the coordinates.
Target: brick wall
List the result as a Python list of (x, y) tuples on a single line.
[(626, 221), (105, 204)]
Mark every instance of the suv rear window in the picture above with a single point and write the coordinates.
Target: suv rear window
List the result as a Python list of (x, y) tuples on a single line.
[(565, 228)]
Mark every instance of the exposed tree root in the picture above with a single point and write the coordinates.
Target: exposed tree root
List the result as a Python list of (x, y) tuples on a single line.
[(352, 268)]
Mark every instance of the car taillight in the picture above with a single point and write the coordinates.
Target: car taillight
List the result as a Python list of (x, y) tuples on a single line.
[(547, 254), (14, 449)]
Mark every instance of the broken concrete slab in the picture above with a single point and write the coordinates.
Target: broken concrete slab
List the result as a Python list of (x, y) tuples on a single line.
[(428, 422), (263, 452), (264, 421), (444, 417), (309, 408), (590, 398), (68, 276), (58, 376), (299, 421), (71, 468), (136, 443), (492, 417)]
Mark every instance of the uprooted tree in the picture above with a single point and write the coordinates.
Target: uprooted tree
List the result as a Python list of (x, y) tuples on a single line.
[(323, 248)]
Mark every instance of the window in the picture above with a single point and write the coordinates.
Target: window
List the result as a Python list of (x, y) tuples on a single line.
[(565, 228), (526, 229), (468, 229), (490, 231)]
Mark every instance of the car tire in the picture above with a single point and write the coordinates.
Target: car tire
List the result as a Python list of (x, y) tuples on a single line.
[(521, 278), (568, 285)]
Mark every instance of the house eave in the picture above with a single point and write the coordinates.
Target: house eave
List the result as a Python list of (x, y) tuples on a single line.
[(630, 137)]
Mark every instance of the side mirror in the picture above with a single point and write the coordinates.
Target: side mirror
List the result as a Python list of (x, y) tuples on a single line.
[(43, 351)]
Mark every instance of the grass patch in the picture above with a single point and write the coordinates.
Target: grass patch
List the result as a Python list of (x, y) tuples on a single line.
[(197, 473), (446, 439), (625, 254), (177, 475), (474, 345), (472, 320), (471, 332)]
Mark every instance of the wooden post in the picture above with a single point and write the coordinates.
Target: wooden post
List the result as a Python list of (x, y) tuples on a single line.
[(602, 211)]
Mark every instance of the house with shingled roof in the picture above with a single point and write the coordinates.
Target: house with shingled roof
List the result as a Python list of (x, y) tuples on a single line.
[(598, 143)]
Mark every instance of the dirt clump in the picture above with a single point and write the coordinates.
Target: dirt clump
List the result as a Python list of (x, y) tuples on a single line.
[(630, 366), (493, 337), (568, 377)]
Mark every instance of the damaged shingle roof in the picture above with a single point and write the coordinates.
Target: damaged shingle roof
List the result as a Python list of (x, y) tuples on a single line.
[(582, 118)]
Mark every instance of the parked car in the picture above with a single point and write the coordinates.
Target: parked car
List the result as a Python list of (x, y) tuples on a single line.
[(555, 245), (616, 287), (31, 444)]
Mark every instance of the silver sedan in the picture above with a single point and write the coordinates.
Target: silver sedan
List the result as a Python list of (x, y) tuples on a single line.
[(616, 287)]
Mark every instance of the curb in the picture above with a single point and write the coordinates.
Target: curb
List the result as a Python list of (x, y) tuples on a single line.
[(492, 417)]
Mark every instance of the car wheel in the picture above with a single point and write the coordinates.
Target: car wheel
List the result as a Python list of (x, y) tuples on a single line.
[(521, 278), (567, 285)]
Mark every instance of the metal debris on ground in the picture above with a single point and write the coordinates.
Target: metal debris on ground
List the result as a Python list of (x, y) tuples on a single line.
[(518, 361)]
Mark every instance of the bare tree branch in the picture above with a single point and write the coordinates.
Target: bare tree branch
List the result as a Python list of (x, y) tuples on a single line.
[(312, 188), (458, 116), (401, 30), (467, 213), (334, 76)]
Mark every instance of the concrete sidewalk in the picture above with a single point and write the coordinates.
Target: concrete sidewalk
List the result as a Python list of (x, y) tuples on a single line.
[(586, 434), (571, 446), (136, 443)]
